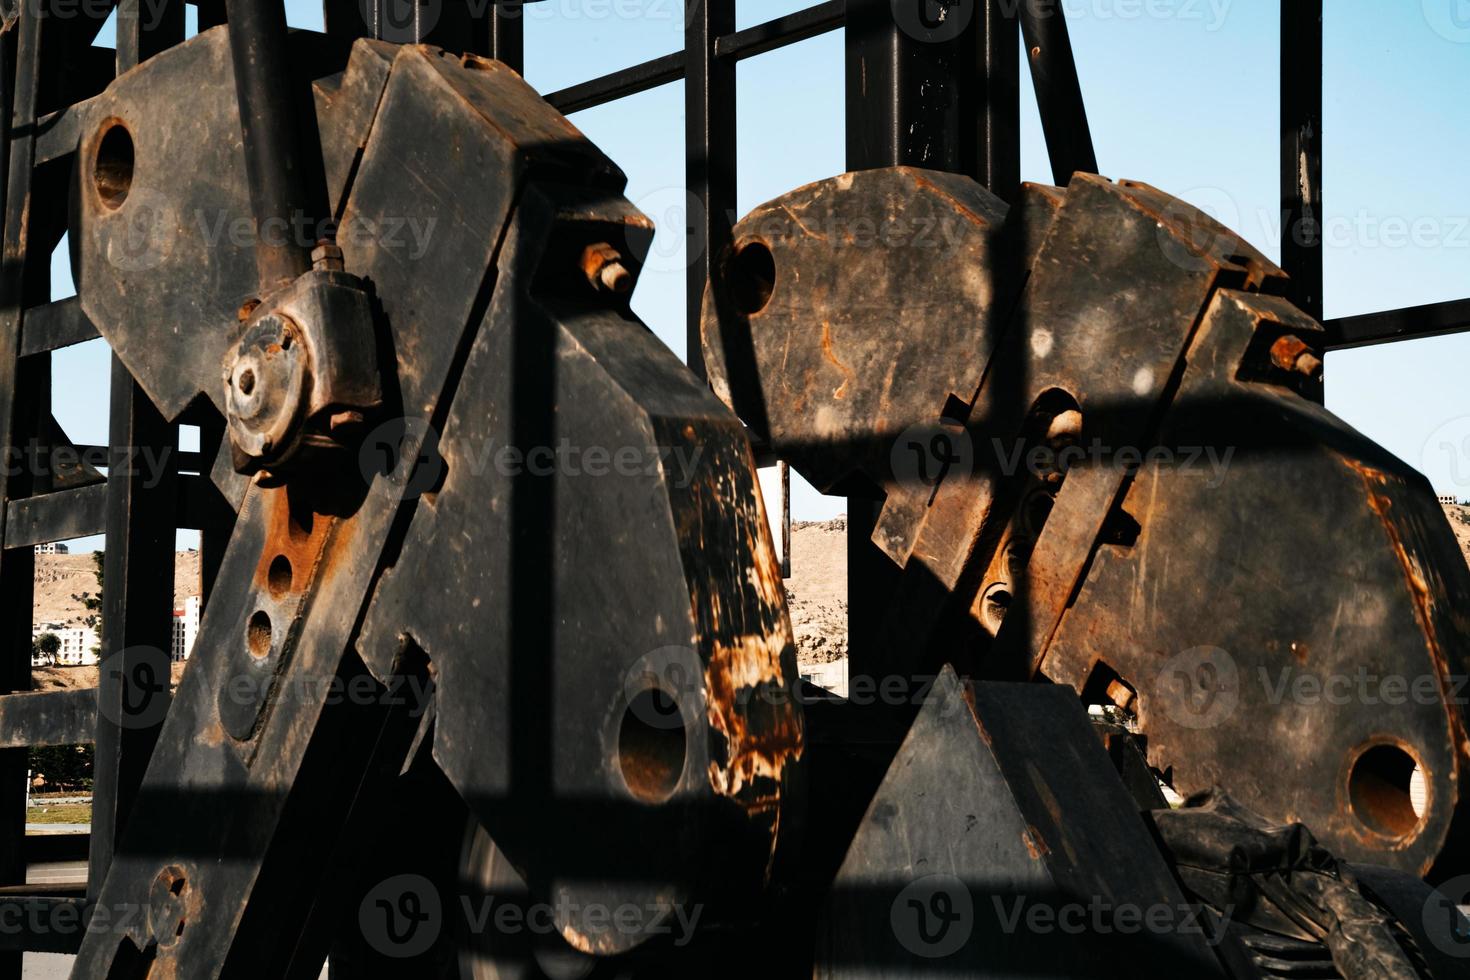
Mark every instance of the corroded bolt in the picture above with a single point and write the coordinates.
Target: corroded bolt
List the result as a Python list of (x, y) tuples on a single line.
[(326, 257), (603, 266), (1065, 427), (1120, 694), (1289, 353)]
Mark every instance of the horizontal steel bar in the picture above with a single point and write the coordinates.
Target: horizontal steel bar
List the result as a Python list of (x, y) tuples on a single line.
[(52, 326), (1430, 320), (59, 133), (47, 718), (781, 31), (82, 512), (49, 848), (619, 84), (58, 516), (62, 920), (744, 44)]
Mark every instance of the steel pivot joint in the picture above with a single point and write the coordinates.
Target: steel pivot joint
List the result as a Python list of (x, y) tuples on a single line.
[(303, 372)]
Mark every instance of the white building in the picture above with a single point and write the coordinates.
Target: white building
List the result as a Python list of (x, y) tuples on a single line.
[(78, 643), (52, 549), (1447, 498), (186, 627)]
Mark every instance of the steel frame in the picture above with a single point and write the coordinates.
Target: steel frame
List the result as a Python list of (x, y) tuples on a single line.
[(48, 66)]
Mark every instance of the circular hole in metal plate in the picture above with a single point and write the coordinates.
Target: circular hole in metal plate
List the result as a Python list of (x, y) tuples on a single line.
[(752, 277), (1380, 789), (652, 745), (258, 635), (112, 172), (278, 576)]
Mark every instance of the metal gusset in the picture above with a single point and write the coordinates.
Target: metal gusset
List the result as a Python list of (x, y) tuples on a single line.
[(1092, 422)]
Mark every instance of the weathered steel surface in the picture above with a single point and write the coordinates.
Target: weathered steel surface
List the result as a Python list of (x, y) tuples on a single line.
[(552, 581), (1179, 562), (974, 837)]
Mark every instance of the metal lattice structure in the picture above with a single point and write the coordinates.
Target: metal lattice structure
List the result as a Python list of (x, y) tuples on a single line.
[(918, 93)]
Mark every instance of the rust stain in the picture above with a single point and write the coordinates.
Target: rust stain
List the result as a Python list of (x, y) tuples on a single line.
[(1035, 846), (1423, 600), (847, 376), (295, 533)]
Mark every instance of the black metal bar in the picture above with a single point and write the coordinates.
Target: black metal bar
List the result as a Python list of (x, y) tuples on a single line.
[(44, 909), (146, 27), (998, 166), (59, 516), (619, 84), (1301, 151), (48, 848), (911, 93), (709, 156), (1409, 323), (781, 31), (52, 326), (1058, 92), (47, 718), (20, 414), (59, 132), (507, 34), (785, 519), (137, 600), (274, 157)]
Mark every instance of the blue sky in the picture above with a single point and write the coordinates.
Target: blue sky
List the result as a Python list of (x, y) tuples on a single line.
[(1179, 93)]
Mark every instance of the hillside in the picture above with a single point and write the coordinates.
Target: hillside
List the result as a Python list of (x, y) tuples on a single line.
[(60, 577)]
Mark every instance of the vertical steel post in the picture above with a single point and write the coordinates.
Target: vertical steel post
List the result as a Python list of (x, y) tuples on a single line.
[(709, 163), (1058, 92), (1301, 151), (18, 425), (275, 160), (918, 95), (137, 589)]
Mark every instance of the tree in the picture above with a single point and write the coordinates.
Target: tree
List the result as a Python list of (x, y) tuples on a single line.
[(92, 601), (64, 766), (48, 643)]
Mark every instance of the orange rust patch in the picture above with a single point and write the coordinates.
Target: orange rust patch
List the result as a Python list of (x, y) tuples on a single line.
[(1035, 846), (294, 533), (841, 390)]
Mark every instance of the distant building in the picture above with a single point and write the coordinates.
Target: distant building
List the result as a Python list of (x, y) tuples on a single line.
[(1447, 498), (78, 644), (832, 676), (186, 627), (52, 549)]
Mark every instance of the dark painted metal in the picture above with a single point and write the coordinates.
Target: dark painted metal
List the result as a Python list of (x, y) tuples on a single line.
[(275, 157), (709, 162), (137, 601), (1409, 323), (1301, 152), (22, 388), (781, 31), (1058, 91)]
